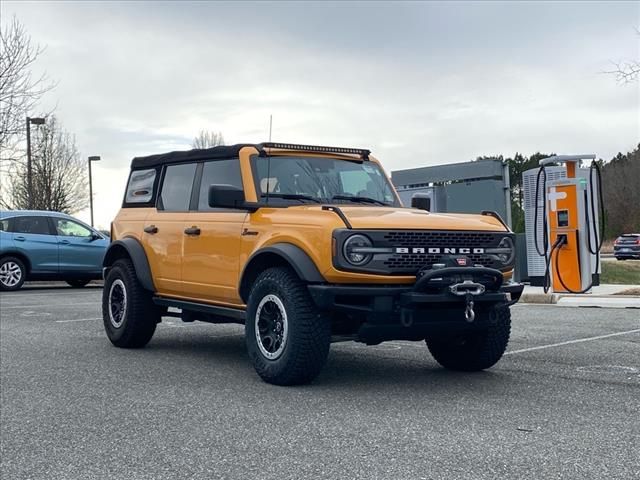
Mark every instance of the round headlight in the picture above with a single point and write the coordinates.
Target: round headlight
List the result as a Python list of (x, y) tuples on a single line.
[(506, 257), (352, 249)]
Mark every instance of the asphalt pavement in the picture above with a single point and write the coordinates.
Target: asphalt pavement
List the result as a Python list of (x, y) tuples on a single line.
[(563, 403)]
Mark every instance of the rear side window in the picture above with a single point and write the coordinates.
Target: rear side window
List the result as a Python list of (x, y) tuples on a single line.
[(140, 188), (220, 172), (176, 187), (37, 225)]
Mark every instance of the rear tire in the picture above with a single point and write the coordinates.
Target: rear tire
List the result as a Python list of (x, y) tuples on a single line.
[(128, 313), (12, 274), (475, 351), (293, 337), (77, 283)]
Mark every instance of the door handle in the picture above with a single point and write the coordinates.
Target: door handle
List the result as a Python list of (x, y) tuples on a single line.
[(151, 229), (192, 231), (64, 242), (19, 239)]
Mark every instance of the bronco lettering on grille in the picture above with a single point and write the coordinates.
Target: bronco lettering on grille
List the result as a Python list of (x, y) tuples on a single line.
[(445, 250)]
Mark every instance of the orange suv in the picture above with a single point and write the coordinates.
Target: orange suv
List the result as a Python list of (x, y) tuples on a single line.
[(304, 245)]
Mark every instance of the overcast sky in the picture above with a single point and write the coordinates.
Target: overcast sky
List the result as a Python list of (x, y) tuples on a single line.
[(417, 83)]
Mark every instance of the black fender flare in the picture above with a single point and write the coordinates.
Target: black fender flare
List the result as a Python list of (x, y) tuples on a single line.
[(293, 255), (136, 253)]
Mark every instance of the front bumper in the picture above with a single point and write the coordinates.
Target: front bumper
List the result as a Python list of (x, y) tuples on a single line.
[(411, 312)]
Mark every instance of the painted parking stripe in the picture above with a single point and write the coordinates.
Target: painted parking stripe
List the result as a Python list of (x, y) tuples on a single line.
[(79, 320), (570, 342), (66, 305)]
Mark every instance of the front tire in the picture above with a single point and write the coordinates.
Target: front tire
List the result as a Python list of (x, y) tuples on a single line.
[(472, 352), (128, 313), (12, 274), (287, 337)]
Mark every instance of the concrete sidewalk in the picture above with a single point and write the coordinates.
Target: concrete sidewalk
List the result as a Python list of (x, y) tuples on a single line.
[(606, 296)]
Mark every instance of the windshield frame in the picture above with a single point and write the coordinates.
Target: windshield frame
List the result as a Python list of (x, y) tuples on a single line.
[(275, 201)]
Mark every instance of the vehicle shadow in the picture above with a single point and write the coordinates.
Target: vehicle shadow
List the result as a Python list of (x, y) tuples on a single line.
[(408, 368), (26, 288)]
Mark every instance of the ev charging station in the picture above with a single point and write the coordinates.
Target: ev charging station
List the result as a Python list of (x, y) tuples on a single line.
[(569, 223)]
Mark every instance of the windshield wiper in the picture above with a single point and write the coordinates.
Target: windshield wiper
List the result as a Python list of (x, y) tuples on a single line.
[(355, 198), (291, 196)]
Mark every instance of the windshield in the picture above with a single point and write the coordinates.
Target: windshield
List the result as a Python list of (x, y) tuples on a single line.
[(318, 179)]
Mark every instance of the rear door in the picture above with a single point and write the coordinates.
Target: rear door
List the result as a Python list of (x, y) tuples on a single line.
[(78, 250), (164, 228), (33, 236), (212, 251)]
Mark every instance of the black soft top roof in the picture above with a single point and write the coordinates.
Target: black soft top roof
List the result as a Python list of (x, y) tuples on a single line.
[(232, 151), (221, 152)]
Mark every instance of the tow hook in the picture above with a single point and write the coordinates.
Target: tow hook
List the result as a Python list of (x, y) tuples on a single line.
[(468, 289)]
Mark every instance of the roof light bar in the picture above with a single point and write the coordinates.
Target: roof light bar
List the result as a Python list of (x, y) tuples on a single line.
[(316, 148)]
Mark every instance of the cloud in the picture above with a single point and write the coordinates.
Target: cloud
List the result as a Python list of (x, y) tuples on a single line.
[(418, 83)]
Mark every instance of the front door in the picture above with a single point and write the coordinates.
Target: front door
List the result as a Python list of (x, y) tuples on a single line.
[(210, 267), (164, 228), (79, 251)]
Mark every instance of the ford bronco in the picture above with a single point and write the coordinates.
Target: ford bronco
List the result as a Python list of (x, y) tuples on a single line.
[(304, 245)]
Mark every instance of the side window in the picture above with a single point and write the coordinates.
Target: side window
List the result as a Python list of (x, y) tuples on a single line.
[(37, 225), (4, 225), (176, 187), (140, 188), (220, 172), (69, 228)]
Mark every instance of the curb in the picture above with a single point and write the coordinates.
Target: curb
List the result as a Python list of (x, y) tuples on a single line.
[(539, 298)]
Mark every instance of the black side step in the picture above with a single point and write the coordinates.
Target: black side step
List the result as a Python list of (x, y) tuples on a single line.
[(234, 313)]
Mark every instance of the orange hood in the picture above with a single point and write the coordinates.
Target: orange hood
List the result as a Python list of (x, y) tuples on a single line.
[(366, 217)]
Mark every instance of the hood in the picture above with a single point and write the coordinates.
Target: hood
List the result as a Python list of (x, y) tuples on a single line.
[(365, 217)]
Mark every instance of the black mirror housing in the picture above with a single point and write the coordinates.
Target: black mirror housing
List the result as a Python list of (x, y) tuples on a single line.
[(226, 196), (421, 201)]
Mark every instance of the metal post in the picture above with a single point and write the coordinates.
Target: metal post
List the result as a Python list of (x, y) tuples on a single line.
[(94, 158), (90, 193), (29, 185)]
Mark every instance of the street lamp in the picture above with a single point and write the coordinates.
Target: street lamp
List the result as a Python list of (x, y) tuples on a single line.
[(94, 158), (35, 121)]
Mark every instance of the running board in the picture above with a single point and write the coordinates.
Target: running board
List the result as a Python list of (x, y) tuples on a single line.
[(227, 312)]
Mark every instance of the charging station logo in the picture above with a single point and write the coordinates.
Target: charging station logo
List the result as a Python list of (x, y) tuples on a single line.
[(553, 196)]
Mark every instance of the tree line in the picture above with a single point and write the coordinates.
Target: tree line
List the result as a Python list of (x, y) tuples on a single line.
[(620, 189)]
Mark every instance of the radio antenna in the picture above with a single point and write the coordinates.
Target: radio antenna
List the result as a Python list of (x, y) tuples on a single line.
[(269, 160)]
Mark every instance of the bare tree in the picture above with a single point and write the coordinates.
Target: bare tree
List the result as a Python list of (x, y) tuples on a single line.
[(208, 139), (626, 71), (20, 91), (60, 180)]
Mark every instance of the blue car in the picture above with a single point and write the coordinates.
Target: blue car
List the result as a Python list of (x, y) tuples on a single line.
[(37, 245)]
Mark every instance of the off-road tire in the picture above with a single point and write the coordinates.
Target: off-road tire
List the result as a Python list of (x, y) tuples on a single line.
[(141, 315), (475, 351), (13, 261), (308, 336), (77, 283)]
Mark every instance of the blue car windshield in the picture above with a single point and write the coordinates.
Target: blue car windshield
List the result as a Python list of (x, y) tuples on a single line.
[(321, 179)]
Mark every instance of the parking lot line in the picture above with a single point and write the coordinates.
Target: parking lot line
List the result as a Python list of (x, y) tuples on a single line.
[(569, 342), (79, 320), (2, 307)]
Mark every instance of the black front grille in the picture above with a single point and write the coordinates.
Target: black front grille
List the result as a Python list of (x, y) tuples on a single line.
[(434, 243), (441, 239), (410, 263)]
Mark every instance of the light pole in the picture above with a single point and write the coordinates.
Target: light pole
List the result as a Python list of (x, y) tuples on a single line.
[(94, 158), (35, 121)]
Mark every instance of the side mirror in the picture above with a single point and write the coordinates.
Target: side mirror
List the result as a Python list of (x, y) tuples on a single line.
[(94, 236), (421, 201), (226, 196)]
